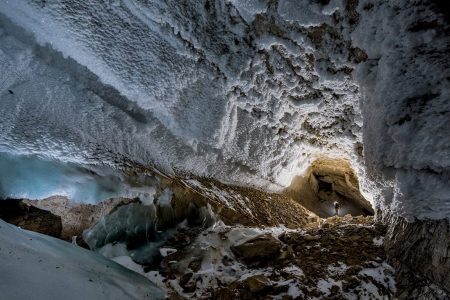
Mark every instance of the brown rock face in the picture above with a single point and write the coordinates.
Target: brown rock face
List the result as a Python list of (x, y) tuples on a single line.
[(77, 217), (261, 247), (29, 217), (420, 253)]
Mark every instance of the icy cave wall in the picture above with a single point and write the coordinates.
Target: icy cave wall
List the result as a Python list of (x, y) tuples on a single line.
[(406, 104), (245, 91)]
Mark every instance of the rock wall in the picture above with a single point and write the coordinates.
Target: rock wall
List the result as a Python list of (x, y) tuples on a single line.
[(405, 84), (420, 253), (29, 217)]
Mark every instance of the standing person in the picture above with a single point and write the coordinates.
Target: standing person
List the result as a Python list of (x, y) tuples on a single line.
[(337, 205)]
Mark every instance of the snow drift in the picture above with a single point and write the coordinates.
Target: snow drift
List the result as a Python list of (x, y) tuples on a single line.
[(53, 269)]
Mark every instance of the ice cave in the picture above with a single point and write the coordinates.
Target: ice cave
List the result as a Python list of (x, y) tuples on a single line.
[(224, 149)]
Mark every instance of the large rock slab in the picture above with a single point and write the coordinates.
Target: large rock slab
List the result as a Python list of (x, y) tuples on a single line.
[(259, 248), (29, 217), (77, 217)]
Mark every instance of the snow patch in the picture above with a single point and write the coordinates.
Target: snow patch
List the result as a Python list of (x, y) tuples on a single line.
[(36, 266), (165, 199), (378, 241), (166, 251)]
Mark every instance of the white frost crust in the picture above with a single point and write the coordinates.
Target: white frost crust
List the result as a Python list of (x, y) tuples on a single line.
[(307, 13), (35, 266), (211, 106), (248, 9)]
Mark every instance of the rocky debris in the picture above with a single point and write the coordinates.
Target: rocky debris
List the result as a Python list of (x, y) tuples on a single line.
[(29, 217), (339, 261), (260, 248), (185, 279), (226, 294), (247, 206), (341, 241), (419, 252)]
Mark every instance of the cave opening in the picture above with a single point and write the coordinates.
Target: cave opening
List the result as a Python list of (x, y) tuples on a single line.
[(326, 182)]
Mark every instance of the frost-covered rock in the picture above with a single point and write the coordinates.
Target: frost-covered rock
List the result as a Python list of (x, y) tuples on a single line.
[(419, 251), (35, 266)]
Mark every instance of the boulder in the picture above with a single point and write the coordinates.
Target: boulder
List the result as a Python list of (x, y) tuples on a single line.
[(308, 237), (260, 247), (257, 283)]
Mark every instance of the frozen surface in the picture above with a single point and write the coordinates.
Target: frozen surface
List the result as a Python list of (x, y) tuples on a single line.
[(34, 266), (125, 224), (140, 231), (37, 177), (378, 241), (249, 9), (249, 92), (307, 13)]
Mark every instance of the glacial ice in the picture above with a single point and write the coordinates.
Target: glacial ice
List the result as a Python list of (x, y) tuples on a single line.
[(139, 231), (37, 177), (125, 224), (41, 267), (165, 198)]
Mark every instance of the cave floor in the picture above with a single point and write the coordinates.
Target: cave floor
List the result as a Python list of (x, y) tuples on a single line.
[(342, 258), (247, 253), (333, 258)]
